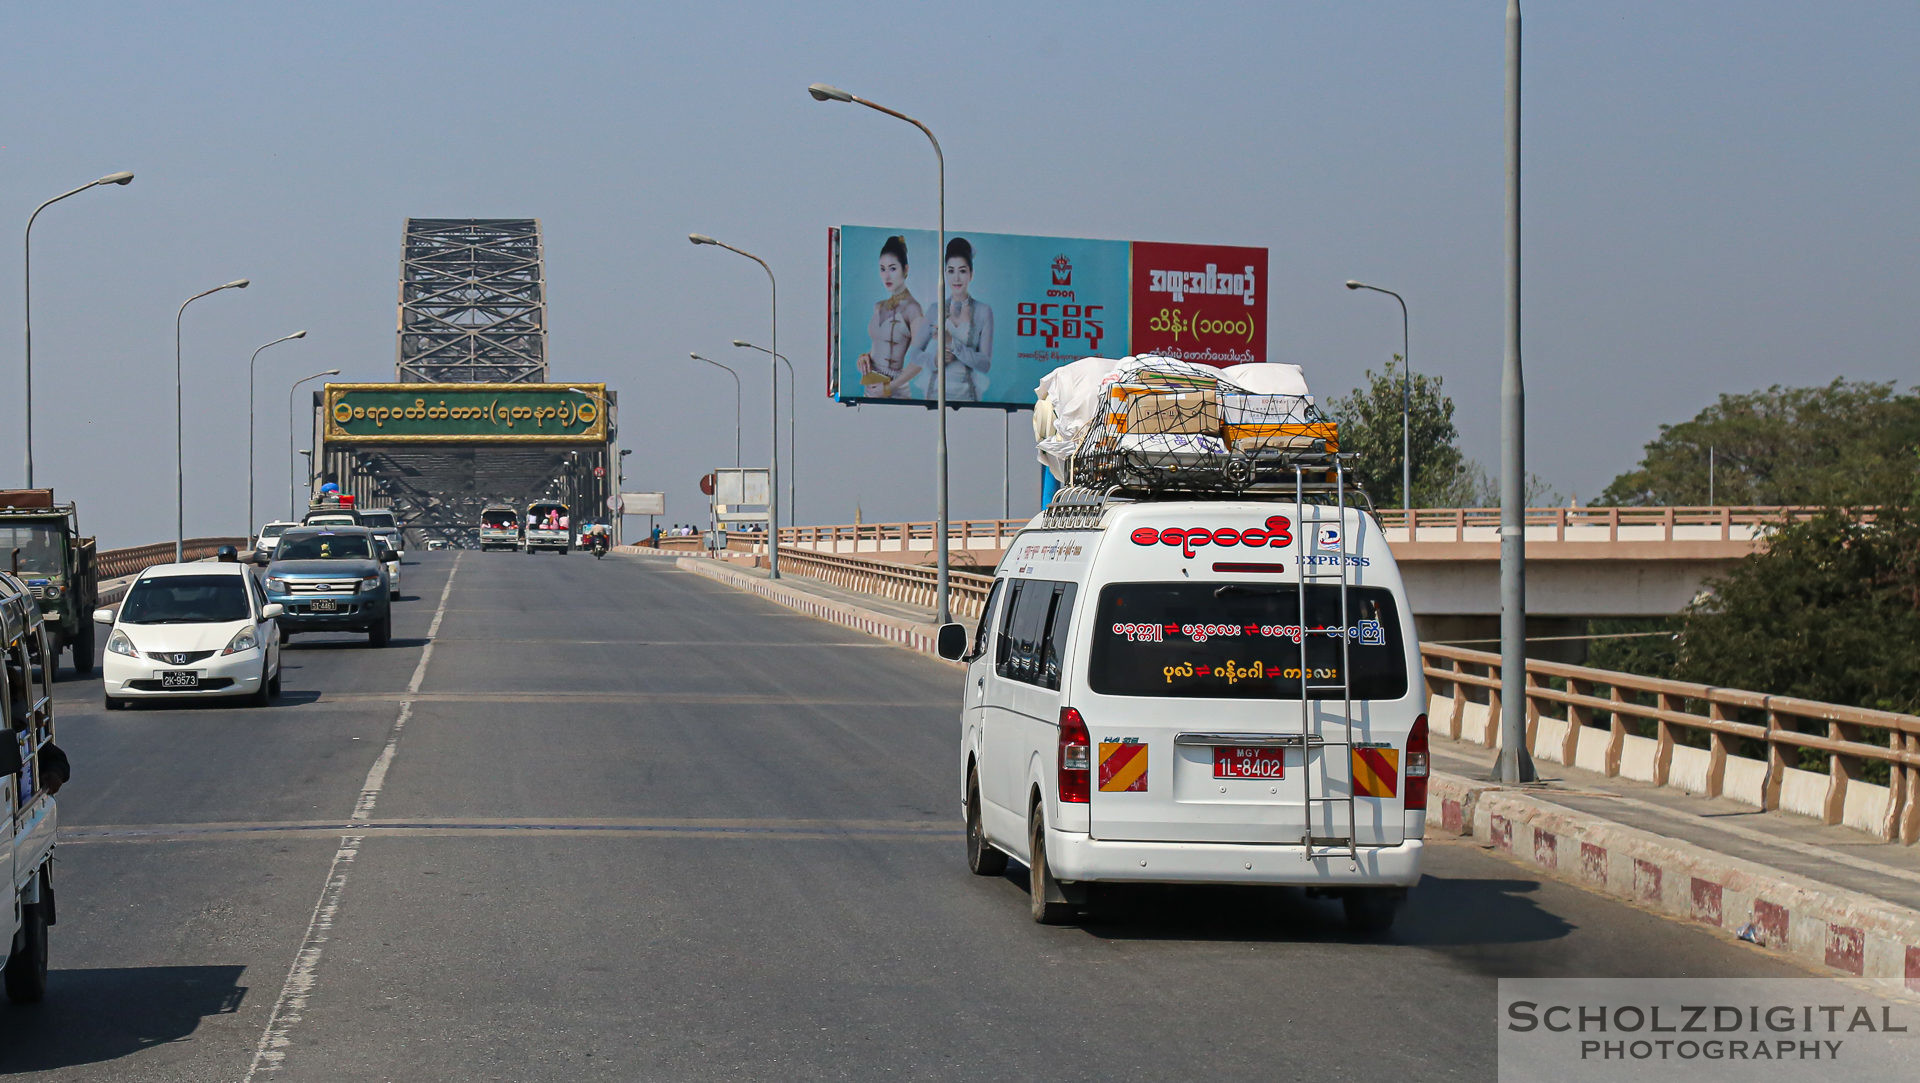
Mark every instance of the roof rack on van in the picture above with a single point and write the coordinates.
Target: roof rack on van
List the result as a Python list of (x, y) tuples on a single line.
[(1078, 507), (1102, 477)]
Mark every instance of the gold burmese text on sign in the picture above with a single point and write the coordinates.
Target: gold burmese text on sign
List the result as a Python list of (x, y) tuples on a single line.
[(463, 413)]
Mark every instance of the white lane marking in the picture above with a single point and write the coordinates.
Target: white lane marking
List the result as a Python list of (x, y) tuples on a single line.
[(377, 774), (302, 976), (305, 972)]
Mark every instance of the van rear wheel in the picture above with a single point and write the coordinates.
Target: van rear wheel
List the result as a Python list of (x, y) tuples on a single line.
[(982, 858), (1050, 905), (1370, 911), (27, 965)]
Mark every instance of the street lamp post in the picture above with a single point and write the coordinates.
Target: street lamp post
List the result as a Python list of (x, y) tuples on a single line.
[(736, 403), (793, 432), (292, 457), (27, 289), (773, 474), (180, 425), (824, 93), (250, 362), (606, 414), (1406, 398), (1516, 765)]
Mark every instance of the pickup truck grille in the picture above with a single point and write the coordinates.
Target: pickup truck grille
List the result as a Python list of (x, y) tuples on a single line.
[(323, 586)]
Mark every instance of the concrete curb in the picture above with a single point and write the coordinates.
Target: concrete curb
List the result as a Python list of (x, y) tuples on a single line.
[(1815, 923), (1818, 924)]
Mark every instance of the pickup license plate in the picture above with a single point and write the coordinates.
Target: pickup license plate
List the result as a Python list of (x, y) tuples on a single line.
[(324, 605), (180, 679), (1249, 762)]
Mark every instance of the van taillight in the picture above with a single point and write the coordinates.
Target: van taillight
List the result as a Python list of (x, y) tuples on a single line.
[(1418, 762), (1076, 758)]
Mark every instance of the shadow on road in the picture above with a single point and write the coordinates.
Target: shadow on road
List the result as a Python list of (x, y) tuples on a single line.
[(1440, 913), (91, 1016)]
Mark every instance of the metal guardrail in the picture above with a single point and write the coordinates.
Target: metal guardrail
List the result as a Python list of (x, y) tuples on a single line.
[(115, 563), (1644, 524), (1695, 735)]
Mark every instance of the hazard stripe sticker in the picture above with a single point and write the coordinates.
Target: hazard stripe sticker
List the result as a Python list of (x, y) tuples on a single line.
[(1376, 772), (1123, 768)]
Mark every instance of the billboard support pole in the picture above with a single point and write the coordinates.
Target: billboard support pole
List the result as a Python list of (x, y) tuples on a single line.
[(1515, 764), (824, 93)]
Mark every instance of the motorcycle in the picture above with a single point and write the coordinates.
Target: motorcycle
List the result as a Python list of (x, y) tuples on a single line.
[(599, 545)]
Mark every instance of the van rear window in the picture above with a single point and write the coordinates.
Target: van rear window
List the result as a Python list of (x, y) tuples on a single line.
[(1245, 641)]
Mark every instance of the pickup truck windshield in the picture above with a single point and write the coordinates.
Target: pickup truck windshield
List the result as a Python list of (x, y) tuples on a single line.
[(1243, 641), (39, 545), (324, 547), (378, 519), (186, 599)]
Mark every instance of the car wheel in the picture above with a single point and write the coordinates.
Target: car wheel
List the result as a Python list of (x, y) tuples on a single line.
[(982, 858), (116, 703), (1050, 905), (27, 965), (393, 596), (273, 686), (83, 651), (378, 635), (1370, 911), (261, 696)]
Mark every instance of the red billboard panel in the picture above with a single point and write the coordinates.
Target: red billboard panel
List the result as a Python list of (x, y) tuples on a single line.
[(1200, 302)]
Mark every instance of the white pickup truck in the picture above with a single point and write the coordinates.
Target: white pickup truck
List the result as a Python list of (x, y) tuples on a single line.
[(32, 768)]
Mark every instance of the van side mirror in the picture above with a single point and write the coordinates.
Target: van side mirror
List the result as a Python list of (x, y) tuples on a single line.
[(951, 642), (103, 615)]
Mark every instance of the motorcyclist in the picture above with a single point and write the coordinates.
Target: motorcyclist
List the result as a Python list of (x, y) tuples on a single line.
[(599, 537)]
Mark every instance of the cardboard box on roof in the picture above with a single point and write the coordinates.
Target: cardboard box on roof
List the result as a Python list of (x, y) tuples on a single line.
[(1135, 409)]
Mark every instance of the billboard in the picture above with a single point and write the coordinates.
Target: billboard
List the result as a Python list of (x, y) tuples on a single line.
[(464, 414), (1020, 306), (643, 503)]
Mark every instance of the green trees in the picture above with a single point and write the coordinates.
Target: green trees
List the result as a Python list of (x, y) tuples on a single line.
[(1369, 422), (1845, 444)]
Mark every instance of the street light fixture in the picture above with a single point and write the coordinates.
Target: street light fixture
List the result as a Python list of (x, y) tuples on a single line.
[(824, 93), (292, 481), (180, 424), (793, 433), (27, 288), (736, 403), (256, 356), (1406, 398), (773, 474)]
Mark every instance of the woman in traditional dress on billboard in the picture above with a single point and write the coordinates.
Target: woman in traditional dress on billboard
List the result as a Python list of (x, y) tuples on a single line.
[(899, 325), (969, 329)]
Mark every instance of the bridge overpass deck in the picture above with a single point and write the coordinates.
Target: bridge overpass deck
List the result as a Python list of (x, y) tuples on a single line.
[(609, 820)]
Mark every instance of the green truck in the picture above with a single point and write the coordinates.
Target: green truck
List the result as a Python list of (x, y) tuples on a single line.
[(40, 542)]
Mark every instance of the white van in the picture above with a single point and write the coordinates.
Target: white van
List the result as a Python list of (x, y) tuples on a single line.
[(27, 753), (1150, 698)]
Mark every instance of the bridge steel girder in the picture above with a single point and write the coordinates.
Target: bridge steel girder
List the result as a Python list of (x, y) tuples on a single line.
[(473, 301)]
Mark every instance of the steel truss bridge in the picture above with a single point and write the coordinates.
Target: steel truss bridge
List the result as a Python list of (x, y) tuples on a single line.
[(472, 311)]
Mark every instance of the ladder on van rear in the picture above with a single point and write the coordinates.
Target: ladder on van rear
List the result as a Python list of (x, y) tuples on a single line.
[(1311, 572)]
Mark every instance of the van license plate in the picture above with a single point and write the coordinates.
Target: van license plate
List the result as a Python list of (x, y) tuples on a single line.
[(325, 605), (1249, 762), (188, 680)]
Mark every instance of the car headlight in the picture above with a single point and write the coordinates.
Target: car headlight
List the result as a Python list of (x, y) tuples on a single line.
[(118, 643), (370, 582), (275, 584), (52, 591), (243, 640)]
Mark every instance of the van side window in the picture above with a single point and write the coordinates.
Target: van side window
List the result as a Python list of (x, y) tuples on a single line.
[(1003, 639), (1059, 623), (982, 629)]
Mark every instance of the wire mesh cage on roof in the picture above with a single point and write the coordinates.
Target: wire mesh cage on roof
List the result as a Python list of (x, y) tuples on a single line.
[(1173, 432)]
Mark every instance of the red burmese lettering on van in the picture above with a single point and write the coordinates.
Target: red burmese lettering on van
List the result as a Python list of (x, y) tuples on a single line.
[(1278, 534)]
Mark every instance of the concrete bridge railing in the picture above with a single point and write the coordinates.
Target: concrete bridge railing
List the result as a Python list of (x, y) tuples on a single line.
[(1842, 765)]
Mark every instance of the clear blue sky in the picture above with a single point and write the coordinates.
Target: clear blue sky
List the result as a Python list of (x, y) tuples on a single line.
[(1720, 196)]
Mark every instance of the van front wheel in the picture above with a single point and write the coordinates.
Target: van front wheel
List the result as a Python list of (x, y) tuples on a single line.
[(27, 965), (982, 858), (1050, 905)]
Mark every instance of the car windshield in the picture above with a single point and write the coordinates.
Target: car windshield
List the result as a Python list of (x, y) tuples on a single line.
[(1244, 641), (332, 520), (186, 599), (499, 520), (39, 545), (377, 519), (273, 530), (324, 547)]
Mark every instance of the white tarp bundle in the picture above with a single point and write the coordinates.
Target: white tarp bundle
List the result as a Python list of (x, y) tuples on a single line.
[(1073, 398)]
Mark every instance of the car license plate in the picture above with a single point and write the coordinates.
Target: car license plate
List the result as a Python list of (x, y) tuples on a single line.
[(180, 679), (324, 605), (1249, 762)]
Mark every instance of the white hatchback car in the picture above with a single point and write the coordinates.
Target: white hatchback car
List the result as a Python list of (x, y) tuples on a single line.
[(192, 631)]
